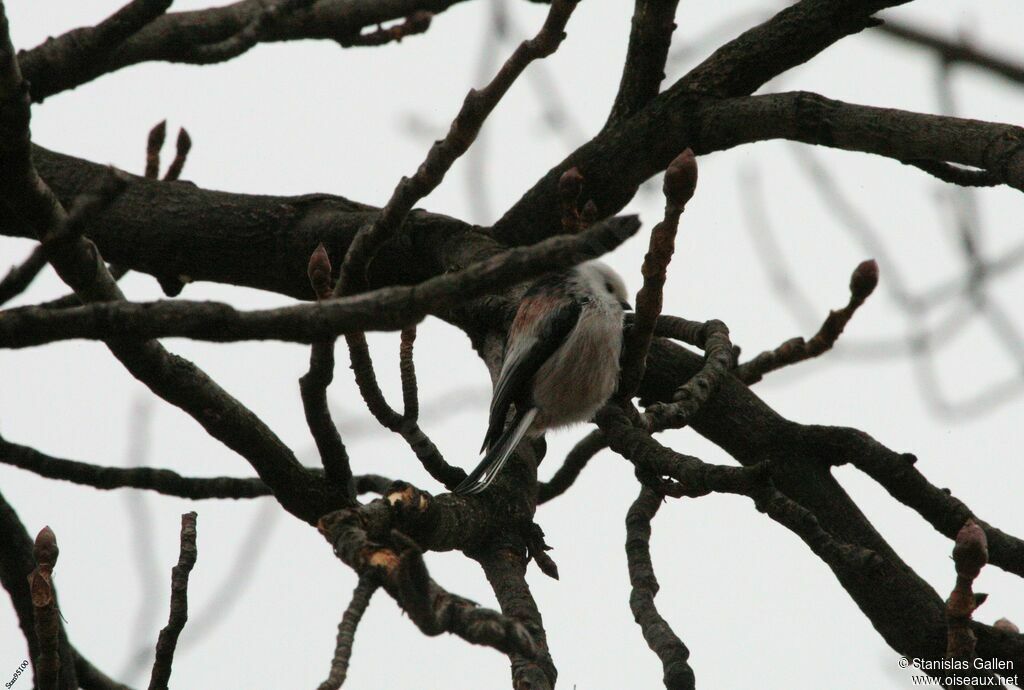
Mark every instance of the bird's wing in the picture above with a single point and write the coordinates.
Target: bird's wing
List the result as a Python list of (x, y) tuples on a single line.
[(542, 324)]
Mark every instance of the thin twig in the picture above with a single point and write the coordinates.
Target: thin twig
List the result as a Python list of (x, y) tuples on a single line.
[(168, 639), (313, 385), (477, 105), (862, 283), (589, 446), (347, 631), (22, 275), (680, 183), (162, 481), (657, 632)]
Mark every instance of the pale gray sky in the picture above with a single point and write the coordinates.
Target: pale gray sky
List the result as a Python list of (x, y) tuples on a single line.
[(745, 595)]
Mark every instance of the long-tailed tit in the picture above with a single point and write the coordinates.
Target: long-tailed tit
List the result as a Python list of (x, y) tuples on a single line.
[(561, 361)]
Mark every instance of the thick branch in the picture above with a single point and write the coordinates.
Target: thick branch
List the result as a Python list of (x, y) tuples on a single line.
[(898, 134), (79, 264), (619, 159), (644, 69), (397, 563), (387, 308), (505, 568)]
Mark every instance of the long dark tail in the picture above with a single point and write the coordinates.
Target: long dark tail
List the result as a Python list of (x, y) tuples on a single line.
[(480, 478)]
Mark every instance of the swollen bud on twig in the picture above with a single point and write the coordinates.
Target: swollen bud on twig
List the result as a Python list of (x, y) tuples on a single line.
[(45, 549), (184, 142), (970, 553), (681, 179), (155, 141), (588, 216), (319, 272), (569, 186), (864, 279)]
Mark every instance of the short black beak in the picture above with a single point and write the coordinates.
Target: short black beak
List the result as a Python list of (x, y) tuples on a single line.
[(626, 305)]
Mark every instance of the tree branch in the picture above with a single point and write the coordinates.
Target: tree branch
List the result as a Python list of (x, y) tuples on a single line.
[(505, 568), (862, 284), (387, 308), (168, 639), (619, 159), (898, 134), (659, 635), (680, 183), (649, 40), (954, 51), (397, 563), (58, 65), (79, 264), (22, 275), (347, 633)]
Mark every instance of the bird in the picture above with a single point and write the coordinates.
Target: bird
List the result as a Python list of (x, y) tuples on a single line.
[(561, 361)]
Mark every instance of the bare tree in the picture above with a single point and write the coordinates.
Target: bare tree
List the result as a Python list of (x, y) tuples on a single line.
[(359, 268)]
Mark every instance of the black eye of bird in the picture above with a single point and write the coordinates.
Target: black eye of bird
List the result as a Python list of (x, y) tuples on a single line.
[(609, 288)]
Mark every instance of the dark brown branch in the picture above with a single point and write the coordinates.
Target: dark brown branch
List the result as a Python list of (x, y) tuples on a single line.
[(313, 386), (688, 399), (955, 51), (386, 308), (162, 481), (477, 105), (589, 446), (898, 134), (644, 69), (657, 632), (16, 562), (44, 604), (694, 477), (168, 639), (91, 678), (70, 59), (680, 183), (256, 30), (505, 568), (22, 275), (619, 159), (739, 422), (407, 370), (190, 37), (970, 554), (347, 632), (403, 425), (397, 562), (862, 284), (897, 473), (79, 264)]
